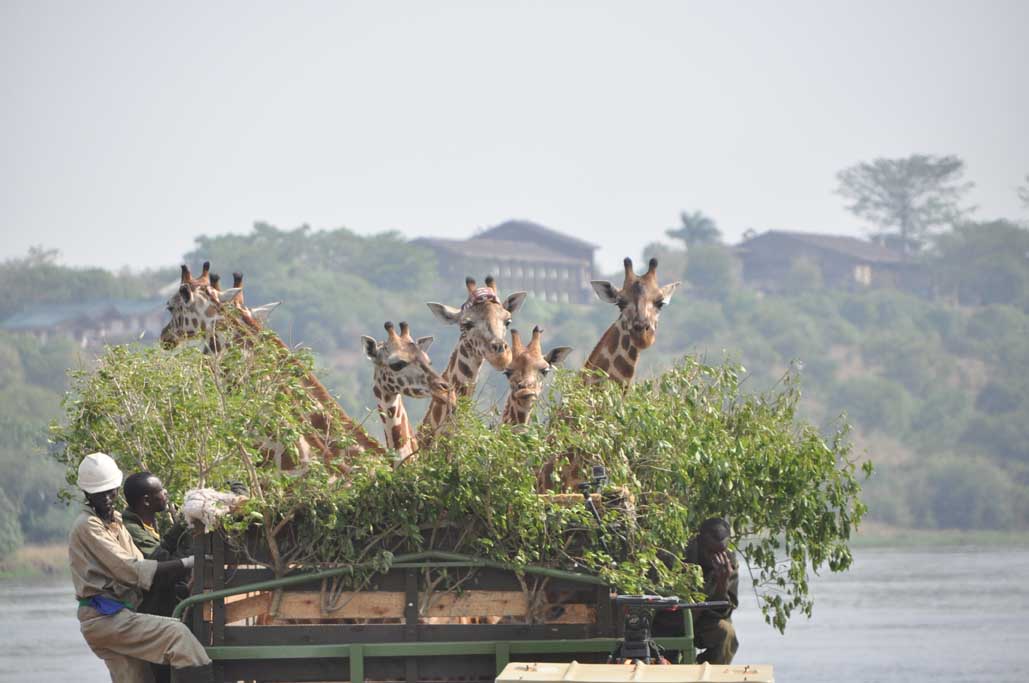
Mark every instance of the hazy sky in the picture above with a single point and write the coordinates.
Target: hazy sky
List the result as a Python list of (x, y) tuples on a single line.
[(129, 128)]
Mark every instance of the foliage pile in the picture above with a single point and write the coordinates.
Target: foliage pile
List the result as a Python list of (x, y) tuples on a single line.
[(686, 445)]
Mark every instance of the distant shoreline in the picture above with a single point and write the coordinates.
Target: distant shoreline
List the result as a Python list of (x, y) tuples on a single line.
[(872, 535), (33, 561), (51, 560)]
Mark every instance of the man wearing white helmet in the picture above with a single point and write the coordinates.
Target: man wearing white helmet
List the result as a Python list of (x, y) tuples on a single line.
[(110, 576)]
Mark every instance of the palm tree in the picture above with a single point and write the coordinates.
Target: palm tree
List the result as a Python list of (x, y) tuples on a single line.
[(696, 228)]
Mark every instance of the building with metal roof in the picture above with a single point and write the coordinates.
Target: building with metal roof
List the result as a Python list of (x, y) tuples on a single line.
[(522, 255), (843, 262), (91, 322)]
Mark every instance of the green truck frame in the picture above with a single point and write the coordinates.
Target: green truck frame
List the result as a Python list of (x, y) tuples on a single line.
[(408, 650)]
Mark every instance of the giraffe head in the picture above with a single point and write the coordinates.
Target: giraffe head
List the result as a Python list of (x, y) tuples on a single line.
[(483, 320), (195, 307), (402, 366), (640, 301), (200, 303), (529, 365)]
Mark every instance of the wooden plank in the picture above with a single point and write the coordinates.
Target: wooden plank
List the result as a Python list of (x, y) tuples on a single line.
[(575, 614), (328, 634), (478, 604), (307, 605), (390, 605), (240, 607), (568, 500)]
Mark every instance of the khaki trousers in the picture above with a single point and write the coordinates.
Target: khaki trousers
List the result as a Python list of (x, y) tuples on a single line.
[(126, 641), (717, 637)]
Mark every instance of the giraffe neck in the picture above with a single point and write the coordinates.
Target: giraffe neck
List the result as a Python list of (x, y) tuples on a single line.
[(462, 372), (615, 354), (399, 435), (516, 412), (244, 330)]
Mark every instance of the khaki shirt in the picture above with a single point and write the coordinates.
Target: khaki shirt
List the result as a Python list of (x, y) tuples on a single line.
[(105, 561)]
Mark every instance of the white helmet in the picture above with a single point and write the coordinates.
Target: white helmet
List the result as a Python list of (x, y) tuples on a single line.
[(99, 472)]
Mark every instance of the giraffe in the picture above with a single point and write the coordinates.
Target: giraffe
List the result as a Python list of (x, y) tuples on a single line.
[(402, 368), (199, 309), (260, 313), (483, 321), (639, 301), (529, 365)]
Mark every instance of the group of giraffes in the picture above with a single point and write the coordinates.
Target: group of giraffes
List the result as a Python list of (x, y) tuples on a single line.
[(201, 308)]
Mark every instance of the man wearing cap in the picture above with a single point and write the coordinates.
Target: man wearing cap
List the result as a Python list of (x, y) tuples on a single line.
[(110, 576), (712, 629)]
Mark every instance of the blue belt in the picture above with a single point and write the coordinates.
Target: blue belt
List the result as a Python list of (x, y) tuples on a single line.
[(105, 605)]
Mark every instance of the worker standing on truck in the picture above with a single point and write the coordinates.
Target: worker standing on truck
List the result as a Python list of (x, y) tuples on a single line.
[(110, 576), (712, 629)]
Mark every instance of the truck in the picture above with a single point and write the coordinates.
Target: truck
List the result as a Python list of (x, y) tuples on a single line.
[(427, 616)]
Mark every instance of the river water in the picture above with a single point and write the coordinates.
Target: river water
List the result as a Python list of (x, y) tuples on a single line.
[(897, 615)]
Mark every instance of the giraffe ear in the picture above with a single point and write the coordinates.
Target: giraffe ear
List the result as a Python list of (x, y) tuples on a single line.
[(557, 354), (261, 313), (371, 347), (446, 314), (514, 302), (228, 295), (424, 343), (605, 290), (668, 290)]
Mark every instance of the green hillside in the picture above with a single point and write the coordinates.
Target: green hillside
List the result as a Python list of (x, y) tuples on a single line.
[(935, 387)]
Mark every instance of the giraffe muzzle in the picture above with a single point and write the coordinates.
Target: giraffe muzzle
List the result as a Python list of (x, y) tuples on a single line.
[(442, 391), (643, 335)]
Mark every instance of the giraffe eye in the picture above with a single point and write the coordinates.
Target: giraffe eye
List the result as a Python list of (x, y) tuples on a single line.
[(621, 305), (545, 370), (659, 304), (508, 373), (398, 365), (467, 325)]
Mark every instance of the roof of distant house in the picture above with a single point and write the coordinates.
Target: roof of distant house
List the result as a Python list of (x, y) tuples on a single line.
[(859, 249), (501, 250), (534, 229), (52, 315)]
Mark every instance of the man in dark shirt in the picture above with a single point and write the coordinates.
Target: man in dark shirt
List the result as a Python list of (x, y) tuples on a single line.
[(146, 498), (712, 629)]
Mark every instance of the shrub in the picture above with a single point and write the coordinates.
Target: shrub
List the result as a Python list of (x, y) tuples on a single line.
[(971, 493), (996, 398), (10, 531), (685, 445), (804, 275), (702, 321), (875, 403), (711, 270)]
